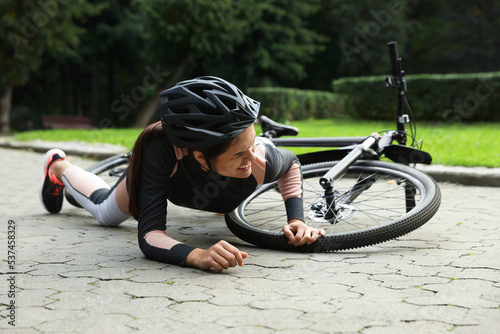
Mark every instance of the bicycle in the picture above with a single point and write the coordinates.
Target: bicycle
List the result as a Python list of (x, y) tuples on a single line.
[(356, 198)]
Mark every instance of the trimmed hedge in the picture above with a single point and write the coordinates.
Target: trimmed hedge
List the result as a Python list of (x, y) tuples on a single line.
[(432, 97), (282, 104)]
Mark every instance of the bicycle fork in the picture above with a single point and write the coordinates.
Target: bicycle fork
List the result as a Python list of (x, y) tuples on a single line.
[(336, 203), (327, 181)]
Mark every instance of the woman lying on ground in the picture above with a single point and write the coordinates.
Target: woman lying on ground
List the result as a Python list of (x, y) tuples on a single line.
[(202, 155)]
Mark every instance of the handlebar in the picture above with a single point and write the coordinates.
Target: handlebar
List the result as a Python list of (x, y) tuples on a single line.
[(399, 83), (395, 60)]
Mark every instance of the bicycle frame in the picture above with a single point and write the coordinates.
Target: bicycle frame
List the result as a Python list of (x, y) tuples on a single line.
[(318, 141), (373, 146)]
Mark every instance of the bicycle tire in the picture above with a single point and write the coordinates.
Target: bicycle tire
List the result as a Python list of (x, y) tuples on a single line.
[(252, 229), (109, 170)]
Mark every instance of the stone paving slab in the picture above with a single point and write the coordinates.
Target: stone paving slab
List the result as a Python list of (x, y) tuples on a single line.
[(73, 276)]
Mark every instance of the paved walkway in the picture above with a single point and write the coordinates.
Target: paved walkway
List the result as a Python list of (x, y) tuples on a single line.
[(73, 276)]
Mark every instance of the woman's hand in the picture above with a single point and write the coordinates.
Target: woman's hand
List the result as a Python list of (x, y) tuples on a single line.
[(220, 256), (298, 233)]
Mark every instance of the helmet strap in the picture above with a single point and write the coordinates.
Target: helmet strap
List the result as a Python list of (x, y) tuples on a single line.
[(207, 161)]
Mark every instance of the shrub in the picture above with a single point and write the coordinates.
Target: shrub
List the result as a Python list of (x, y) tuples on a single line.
[(283, 104), (433, 97)]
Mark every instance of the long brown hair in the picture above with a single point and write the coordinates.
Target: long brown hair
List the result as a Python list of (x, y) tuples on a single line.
[(155, 130)]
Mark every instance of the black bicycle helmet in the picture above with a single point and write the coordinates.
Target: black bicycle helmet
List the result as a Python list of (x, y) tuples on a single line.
[(205, 111)]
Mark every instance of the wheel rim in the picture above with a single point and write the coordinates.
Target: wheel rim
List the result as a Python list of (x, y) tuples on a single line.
[(384, 203)]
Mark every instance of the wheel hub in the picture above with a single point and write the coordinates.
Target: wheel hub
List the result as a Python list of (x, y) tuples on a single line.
[(319, 210)]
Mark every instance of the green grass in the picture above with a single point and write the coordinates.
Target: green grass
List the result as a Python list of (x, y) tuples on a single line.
[(123, 137), (449, 144)]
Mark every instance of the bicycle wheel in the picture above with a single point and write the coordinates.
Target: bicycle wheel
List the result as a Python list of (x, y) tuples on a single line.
[(376, 201), (109, 170)]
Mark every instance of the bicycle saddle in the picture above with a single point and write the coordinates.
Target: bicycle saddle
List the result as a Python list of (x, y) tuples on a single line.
[(272, 129)]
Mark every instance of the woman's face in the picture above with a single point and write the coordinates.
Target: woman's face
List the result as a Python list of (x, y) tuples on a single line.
[(237, 160)]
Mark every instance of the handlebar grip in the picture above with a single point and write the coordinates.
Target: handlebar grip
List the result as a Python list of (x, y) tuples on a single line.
[(393, 52)]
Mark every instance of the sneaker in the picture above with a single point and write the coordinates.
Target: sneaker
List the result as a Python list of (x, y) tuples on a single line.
[(51, 189)]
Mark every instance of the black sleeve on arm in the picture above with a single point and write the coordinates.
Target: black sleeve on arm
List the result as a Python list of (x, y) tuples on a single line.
[(176, 255), (156, 167), (294, 208)]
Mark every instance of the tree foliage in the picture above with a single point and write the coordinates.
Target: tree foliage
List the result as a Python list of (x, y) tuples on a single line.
[(31, 29), (109, 59), (455, 36), (275, 44), (253, 40)]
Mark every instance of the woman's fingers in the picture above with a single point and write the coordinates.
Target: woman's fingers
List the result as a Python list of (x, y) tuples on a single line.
[(305, 235), (288, 232), (299, 234), (223, 255), (238, 256)]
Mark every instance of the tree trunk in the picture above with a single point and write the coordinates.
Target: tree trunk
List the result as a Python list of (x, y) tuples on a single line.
[(64, 89), (151, 105), (94, 109), (5, 106), (111, 89), (79, 101), (77, 79)]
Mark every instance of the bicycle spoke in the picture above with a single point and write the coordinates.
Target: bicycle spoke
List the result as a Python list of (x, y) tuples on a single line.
[(361, 201)]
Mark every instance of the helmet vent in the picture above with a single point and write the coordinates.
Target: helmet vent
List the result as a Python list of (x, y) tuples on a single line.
[(194, 122), (229, 102), (180, 110)]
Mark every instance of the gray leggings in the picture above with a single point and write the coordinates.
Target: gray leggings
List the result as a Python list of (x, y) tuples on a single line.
[(95, 196)]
